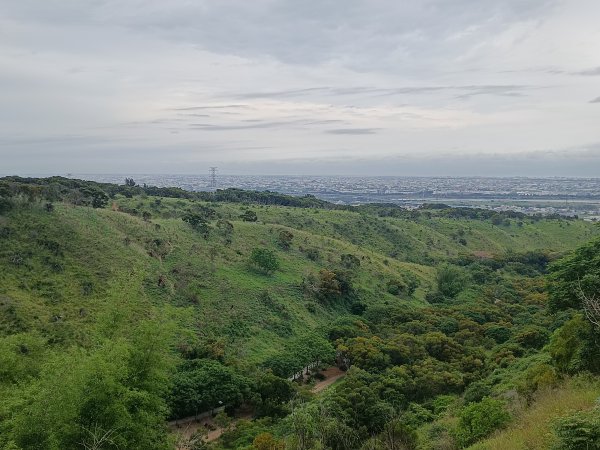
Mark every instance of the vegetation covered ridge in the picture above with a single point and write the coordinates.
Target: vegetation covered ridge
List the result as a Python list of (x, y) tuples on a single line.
[(122, 307)]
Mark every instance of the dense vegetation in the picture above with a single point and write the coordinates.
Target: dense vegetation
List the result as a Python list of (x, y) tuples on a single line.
[(124, 306)]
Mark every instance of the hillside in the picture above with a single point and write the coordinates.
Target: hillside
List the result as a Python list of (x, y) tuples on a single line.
[(83, 263)]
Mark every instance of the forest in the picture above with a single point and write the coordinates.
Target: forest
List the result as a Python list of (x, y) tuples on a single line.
[(126, 312)]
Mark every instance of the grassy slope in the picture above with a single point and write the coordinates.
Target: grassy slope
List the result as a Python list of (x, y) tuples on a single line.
[(532, 429), (210, 285)]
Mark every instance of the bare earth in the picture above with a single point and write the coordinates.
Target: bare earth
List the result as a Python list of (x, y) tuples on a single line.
[(333, 374)]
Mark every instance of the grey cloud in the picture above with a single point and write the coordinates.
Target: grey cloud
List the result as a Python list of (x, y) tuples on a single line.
[(596, 100), (364, 33), (356, 131), (194, 108), (467, 91), (589, 72), (242, 126), (106, 77), (283, 94)]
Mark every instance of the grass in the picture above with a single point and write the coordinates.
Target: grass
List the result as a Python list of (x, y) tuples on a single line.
[(532, 427), (210, 286)]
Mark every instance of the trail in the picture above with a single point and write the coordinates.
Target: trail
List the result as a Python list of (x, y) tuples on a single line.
[(332, 374), (186, 428)]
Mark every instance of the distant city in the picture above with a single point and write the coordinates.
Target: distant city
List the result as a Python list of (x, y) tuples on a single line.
[(564, 196)]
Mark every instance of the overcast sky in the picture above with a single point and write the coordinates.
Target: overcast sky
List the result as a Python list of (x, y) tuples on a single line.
[(423, 87)]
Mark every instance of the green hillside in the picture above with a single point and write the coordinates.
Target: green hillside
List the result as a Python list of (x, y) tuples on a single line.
[(84, 266)]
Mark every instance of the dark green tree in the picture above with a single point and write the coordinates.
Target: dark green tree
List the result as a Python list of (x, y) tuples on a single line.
[(284, 239), (264, 260), (198, 223), (249, 216)]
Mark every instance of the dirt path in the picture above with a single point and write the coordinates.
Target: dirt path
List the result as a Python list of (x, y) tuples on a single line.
[(207, 427), (187, 430), (332, 374)]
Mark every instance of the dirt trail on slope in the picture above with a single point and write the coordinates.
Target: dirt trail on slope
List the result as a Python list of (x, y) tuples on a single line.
[(188, 428), (332, 374)]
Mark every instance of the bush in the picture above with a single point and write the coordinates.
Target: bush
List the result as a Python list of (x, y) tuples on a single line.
[(396, 287), (350, 261), (498, 333), (579, 431), (435, 297), (476, 392), (264, 259), (198, 223), (450, 281), (479, 420), (5, 205), (573, 347), (284, 239), (249, 216), (532, 336), (312, 253)]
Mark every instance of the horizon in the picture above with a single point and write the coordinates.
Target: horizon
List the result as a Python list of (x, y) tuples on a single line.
[(207, 175)]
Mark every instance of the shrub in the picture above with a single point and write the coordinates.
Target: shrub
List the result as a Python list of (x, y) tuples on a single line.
[(312, 253), (498, 333), (450, 281), (264, 259), (350, 261), (198, 223), (537, 377), (284, 239), (579, 431), (532, 336), (249, 216), (434, 297), (395, 287), (266, 441), (477, 391), (573, 347), (479, 420)]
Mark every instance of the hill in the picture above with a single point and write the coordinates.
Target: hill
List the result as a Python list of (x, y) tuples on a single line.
[(85, 265)]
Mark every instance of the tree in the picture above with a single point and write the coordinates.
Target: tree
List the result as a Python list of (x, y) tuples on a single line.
[(325, 286), (366, 353), (350, 261), (591, 305), (450, 280), (579, 431), (249, 216), (574, 346), (575, 277), (264, 259), (198, 223), (6, 203), (479, 420), (397, 435), (266, 441), (201, 385), (129, 182), (284, 239), (95, 197), (225, 230), (111, 394), (274, 393)]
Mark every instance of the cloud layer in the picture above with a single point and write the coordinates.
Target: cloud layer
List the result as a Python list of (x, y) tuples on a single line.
[(147, 85)]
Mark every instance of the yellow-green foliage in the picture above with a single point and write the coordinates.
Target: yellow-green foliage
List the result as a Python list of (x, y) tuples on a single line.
[(532, 428)]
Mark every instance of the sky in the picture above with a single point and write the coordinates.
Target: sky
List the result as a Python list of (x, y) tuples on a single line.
[(347, 87)]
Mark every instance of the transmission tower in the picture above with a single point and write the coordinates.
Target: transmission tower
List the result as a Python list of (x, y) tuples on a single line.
[(213, 177)]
